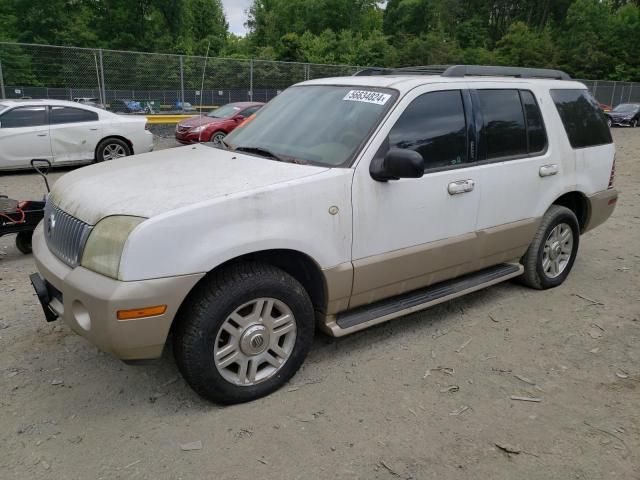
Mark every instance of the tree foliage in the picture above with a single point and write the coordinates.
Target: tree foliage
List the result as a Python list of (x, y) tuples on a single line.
[(587, 38)]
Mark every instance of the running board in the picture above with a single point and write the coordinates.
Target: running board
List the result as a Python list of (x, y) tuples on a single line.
[(378, 312)]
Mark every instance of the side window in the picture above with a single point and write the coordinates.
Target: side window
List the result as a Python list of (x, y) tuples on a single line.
[(503, 133), (583, 120), (250, 111), (24, 117), (535, 125), (71, 115), (433, 125)]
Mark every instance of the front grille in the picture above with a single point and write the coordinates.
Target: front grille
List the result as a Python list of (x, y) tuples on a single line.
[(65, 235)]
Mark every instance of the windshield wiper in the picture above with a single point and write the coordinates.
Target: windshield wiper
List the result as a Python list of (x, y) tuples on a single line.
[(260, 151)]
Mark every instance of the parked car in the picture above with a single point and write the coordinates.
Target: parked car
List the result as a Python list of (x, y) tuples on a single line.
[(91, 101), (624, 115), (217, 124), (185, 107), (125, 106), (345, 203), (66, 133)]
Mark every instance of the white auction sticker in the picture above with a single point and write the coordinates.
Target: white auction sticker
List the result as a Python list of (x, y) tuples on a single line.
[(368, 97)]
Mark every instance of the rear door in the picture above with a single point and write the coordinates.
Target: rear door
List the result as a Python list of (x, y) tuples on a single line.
[(24, 135), (521, 173), (413, 232), (75, 133)]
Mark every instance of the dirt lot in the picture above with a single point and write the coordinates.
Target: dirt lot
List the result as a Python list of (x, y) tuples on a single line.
[(428, 396)]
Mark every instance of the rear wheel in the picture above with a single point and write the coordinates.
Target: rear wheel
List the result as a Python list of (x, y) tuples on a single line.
[(243, 333), (111, 149), (23, 242), (551, 255)]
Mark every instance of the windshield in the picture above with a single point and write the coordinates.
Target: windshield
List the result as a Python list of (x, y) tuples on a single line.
[(3, 107), (226, 111), (626, 107), (318, 124)]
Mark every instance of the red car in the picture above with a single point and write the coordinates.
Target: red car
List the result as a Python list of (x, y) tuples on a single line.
[(217, 124)]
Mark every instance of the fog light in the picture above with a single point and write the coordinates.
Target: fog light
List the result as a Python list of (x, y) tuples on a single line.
[(81, 315)]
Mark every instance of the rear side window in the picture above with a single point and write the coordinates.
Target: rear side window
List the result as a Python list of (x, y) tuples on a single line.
[(503, 132), (583, 121), (433, 125), (24, 117), (71, 115), (535, 126)]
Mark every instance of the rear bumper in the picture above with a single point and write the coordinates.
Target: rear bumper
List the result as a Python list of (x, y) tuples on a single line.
[(601, 206), (88, 302)]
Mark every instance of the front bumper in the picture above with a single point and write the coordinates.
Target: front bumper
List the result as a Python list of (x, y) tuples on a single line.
[(621, 122), (601, 206), (187, 138), (88, 302)]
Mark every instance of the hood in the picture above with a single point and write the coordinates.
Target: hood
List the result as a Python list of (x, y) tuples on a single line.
[(197, 121), (153, 183)]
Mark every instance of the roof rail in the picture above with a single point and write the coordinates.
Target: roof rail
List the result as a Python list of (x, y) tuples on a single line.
[(468, 70), (490, 71)]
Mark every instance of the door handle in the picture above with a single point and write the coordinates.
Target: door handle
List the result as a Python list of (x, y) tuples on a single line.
[(93, 129), (42, 134), (461, 186), (548, 170)]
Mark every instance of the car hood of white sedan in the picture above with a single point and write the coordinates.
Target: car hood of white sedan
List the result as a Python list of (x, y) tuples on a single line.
[(153, 183)]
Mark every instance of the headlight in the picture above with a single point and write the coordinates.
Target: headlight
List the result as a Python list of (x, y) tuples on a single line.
[(198, 129), (104, 246)]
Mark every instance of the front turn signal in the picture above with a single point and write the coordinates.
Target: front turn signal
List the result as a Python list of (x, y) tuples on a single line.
[(135, 313)]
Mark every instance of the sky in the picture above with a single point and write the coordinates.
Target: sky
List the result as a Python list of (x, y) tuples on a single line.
[(236, 15)]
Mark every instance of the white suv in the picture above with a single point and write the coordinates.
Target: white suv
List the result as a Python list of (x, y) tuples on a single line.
[(345, 202)]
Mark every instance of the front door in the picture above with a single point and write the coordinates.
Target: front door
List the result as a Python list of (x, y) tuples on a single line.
[(24, 135), (410, 233)]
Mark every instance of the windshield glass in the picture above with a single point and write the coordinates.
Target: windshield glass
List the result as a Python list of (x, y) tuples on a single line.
[(626, 107), (226, 111), (318, 124), (3, 107)]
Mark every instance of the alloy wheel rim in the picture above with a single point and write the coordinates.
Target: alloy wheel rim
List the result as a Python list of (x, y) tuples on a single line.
[(113, 151), (217, 138), (255, 341), (558, 249)]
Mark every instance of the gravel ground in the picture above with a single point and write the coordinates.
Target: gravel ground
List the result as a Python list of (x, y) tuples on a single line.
[(428, 396)]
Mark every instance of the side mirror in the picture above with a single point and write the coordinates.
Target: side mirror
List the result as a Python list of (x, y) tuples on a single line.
[(239, 118), (398, 163)]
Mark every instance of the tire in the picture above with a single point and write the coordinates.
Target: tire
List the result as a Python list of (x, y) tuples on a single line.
[(216, 137), (634, 123), (112, 148), (211, 359), (23, 242), (609, 122), (540, 274)]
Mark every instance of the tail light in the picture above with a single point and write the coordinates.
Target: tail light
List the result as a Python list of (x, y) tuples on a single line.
[(613, 173)]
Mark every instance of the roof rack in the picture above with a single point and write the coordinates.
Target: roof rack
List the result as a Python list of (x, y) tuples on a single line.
[(468, 70)]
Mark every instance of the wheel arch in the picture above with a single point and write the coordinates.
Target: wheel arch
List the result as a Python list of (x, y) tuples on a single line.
[(119, 137), (578, 203), (297, 264)]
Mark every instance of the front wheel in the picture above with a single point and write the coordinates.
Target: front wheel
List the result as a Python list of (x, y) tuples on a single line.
[(217, 138), (243, 333), (609, 122), (111, 149), (551, 255), (634, 123), (23, 242)]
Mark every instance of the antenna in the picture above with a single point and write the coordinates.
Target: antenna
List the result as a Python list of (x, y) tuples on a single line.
[(204, 69)]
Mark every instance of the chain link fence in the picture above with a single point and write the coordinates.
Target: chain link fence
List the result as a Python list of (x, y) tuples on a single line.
[(167, 81), (65, 73)]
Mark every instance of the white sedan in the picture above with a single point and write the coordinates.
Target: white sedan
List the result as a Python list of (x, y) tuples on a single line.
[(66, 133)]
